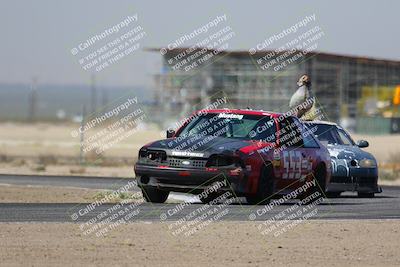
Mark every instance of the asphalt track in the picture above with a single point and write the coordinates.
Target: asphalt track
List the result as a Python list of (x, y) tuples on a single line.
[(384, 206)]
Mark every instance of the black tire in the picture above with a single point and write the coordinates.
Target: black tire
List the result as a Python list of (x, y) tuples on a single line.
[(320, 186), (365, 195), (154, 195), (265, 187), (210, 197), (320, 176), (333, 194)]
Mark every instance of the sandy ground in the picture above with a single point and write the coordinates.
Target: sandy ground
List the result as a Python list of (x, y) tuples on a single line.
[(312, 243), (19, 139), (383, 147), (123, 171), (44, 194), (53, 194)]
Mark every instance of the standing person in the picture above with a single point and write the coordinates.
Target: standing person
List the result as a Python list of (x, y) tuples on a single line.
[(302, 100)]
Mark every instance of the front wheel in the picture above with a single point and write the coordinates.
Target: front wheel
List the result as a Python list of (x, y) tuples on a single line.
[(154, 195), (209, 198), (265, 188)]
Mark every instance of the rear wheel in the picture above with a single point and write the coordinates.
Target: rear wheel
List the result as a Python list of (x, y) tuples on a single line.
[(317, 191), (152, 194), (265, 187), (320, 175), (366, 195)]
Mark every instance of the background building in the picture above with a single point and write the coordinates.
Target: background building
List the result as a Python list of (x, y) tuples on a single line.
[(349, 89)]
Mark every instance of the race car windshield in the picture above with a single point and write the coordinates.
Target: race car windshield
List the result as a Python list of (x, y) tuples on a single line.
[(246, 127), (332, 134)]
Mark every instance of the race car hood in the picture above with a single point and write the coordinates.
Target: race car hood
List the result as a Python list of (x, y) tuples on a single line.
[(198, 146), (348, 152), (342, 155)]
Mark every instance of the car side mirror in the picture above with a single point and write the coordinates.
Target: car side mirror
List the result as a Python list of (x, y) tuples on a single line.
[(362, 143), (170, 133)]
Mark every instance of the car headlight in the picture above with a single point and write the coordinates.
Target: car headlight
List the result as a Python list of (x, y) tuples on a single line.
[(367, 163), (223, 161), (152, 155)]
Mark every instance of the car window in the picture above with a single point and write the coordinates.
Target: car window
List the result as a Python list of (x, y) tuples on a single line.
[(308, 137), (332, 134), (327, 133), (290, 133), (243, 128), (345, 139), (248, 127), (194, 127)]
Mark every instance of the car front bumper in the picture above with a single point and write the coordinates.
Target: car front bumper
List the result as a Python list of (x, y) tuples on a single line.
[(189, 180), (353, 187), (362, 183), (355, 179)]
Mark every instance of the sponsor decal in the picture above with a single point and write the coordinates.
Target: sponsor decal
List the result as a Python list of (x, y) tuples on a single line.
[(230, 116), (187, 153), (295, 166)]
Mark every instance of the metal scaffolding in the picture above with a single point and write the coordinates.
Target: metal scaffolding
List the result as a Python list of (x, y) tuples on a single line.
[(337, 82)]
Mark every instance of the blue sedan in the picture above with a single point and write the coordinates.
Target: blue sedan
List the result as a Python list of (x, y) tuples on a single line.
[(353, 169)]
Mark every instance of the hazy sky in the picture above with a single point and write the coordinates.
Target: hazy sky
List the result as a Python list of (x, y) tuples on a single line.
[(37, 36)]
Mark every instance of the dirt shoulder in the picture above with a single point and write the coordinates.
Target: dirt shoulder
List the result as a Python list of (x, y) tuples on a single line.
[(323, 243), (54, 194), (45, 194), (70, 170)]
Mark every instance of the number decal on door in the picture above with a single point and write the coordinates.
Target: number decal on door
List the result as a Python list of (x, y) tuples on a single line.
[(294, 165)]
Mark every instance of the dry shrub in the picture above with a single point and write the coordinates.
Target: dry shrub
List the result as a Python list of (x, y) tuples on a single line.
[(391, 170), (19, 162), (4, 158), (38, 167), (47, 159), (77, 170), (94, 158)]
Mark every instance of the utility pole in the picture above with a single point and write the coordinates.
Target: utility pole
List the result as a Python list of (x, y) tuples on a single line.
[(82, 136), (93, 95)]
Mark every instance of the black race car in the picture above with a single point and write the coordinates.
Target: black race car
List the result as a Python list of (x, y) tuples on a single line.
[(249, 153), (353, 169)]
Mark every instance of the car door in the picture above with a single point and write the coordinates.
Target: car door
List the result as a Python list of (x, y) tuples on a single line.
[(296, 153)]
